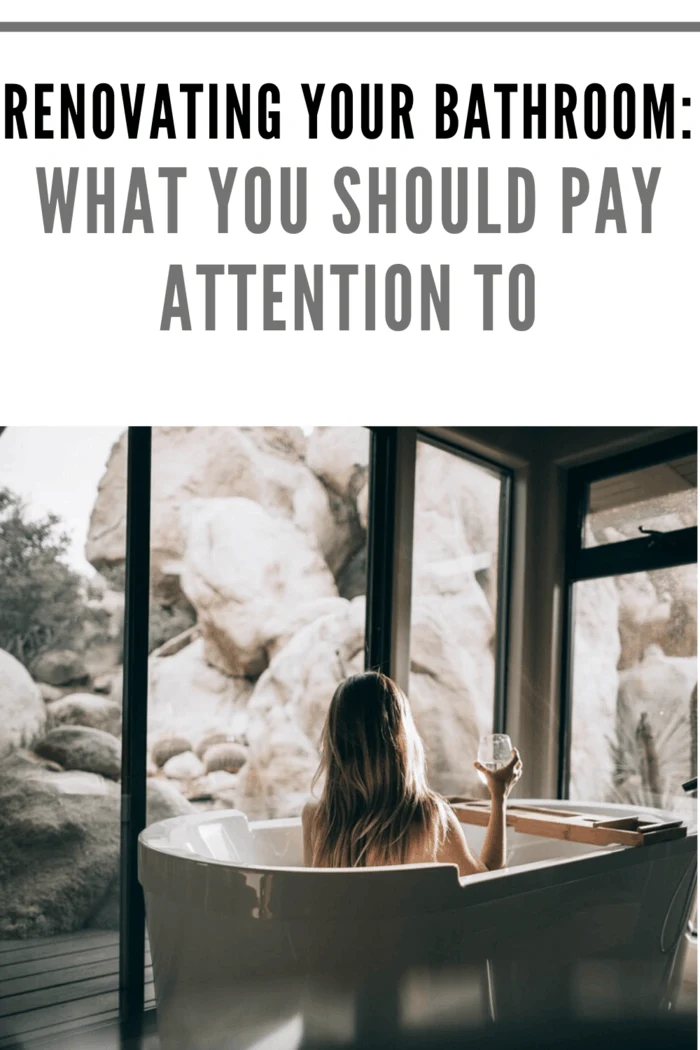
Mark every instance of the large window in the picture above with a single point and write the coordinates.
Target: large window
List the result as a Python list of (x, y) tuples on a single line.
[(61, 621), (457, 558), (633, 573), (258, 577)]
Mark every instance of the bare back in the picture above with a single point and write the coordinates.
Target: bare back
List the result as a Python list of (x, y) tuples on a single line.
[(452, 850)]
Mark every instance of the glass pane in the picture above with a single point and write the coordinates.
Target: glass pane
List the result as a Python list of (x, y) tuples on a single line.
[(60, 724), (634, 728), (258, 568), (661, 498), (453, 612)]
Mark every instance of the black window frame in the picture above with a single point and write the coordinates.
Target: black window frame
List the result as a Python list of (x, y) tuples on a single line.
[(384, 467), (505, 542), (645, 554)]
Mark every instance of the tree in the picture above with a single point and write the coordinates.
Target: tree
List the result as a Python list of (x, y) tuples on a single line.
[(42, 600)]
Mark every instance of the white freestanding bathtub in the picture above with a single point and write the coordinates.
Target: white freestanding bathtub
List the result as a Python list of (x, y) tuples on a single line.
[(251, 949)]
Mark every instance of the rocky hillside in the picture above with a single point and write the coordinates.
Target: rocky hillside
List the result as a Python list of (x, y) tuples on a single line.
[(257, 612)]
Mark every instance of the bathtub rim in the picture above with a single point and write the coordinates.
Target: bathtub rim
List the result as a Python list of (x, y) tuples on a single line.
[(195, 819), (178, 874)]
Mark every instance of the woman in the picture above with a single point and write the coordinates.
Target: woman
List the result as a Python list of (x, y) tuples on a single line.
[(376, 807)]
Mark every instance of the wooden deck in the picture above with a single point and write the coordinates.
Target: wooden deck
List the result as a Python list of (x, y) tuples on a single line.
[(59, 984)]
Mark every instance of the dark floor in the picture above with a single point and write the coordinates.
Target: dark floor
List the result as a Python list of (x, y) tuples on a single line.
[(61, 994), (57, 986)]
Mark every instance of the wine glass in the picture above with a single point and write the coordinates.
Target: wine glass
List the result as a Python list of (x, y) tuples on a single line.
[(495, 751)]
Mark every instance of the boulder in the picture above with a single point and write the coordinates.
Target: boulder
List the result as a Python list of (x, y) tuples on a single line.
[(60, 855), (59, 865), (163, 800), (49, 692), (653, 727), (362, 503), (595, 679), (22, 710), (188, 698), (23, 759), (679, 585), (213, 738), (339, 456), (60, 667), (167, 747), (264, 464), (276, 781), (228, 756), (78, 747), (456, 524), (102, 684), (287, 710), (452, 683), (252, 577), (352, 581), (84, 709), (643, 619), (185, 766), (219, 786), (451, 694)]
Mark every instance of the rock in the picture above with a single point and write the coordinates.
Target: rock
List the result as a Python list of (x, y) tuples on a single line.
[(59, 865), (228, 757), (180, 641), (352, 581), (276, 781), (188, 698), (84, 709), (116, 689), (264, 464), (60, 667), (362, 503), (220, 784), (214, 791), (185, 766), (456, 524), (451, 695), (78, 747), (250, 576), (48, 692), (163, 800), (596, 654), (654, 708), (102, 658), (451, 685), (209, 740), (102, 684), (26, 759), (339, 456), (60, 855), (167, 747), (171, 625), (285, 623), (679, 585), (643, 617), (22, 710), (288, 707)]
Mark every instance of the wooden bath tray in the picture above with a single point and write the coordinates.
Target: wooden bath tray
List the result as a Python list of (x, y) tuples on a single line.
[(595, 830)]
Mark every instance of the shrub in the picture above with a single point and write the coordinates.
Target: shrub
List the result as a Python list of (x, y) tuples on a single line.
[(43, 604)]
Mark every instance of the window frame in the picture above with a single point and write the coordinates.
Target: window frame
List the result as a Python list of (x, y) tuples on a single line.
[(392, 463), (503, 582), (657, 551)]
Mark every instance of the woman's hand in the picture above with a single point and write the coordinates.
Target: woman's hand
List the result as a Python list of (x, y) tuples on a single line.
[(500, 782)]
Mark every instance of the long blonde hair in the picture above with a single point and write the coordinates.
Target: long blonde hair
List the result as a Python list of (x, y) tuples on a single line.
[(375, 802)]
